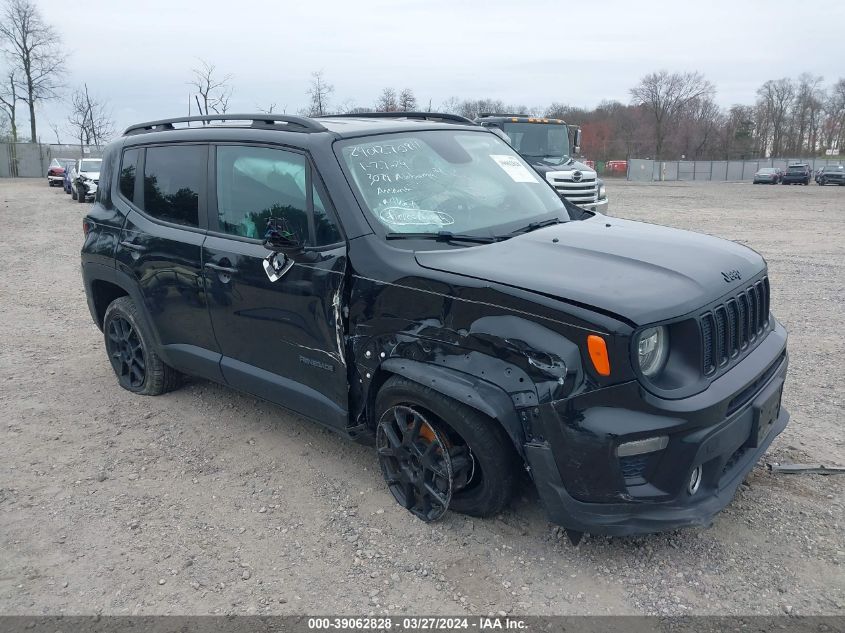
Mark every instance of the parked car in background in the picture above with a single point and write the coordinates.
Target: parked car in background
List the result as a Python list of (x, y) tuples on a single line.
[(798, 173), (85, 178), (56, 170), (767, 175), (66, 178), (832, 175)]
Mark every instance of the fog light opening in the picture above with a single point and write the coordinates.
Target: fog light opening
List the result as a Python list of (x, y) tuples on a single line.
[(694, 480)]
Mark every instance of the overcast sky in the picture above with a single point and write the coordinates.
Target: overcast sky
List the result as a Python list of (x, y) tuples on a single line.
[(139, 55)]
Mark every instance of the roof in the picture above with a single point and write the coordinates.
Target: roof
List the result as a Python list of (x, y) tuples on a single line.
[(269, 126)]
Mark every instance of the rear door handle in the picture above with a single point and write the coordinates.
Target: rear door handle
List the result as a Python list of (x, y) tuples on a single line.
[(226, 270), (133, 247)]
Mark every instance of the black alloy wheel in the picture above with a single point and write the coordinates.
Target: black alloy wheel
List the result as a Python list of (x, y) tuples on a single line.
[(126, 353), (415, 462)]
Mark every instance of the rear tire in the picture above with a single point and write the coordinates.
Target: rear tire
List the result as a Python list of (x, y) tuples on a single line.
[(495, 464), (129, 347)]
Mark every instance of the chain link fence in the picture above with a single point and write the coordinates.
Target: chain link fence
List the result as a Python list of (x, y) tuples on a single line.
[(31, 160), (646, 170)]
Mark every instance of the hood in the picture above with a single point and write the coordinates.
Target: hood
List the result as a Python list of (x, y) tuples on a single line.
[(641, 272), (570, 166), (93, 175)]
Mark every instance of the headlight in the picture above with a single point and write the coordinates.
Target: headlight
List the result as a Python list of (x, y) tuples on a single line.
[(602, 192), (652, 350)]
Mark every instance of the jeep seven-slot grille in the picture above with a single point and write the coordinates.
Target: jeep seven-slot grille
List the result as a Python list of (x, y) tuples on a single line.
[(729, 328)]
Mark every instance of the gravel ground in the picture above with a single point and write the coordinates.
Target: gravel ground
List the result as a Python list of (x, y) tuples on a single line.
[(208, 501)]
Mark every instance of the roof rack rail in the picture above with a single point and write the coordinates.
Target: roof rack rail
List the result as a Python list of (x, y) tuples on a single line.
[(426, 116), (481, 115), (258, 120)]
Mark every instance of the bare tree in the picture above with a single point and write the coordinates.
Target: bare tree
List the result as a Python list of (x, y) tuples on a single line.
[(774, 100), (833, 128), (57, 131), (387, 101), (737, 134), (212, 91), (665, 95), (32, 46), (9, 101), (452, 105), (319, 94), (268, 110), (407, 100), (89, 118)]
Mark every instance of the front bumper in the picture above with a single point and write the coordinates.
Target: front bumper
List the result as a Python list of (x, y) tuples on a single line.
[(601, 206), (585, 486), (87, 189), (56, 179)]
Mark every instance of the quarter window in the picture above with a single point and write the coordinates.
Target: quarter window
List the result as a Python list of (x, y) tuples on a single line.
[(127, 173), (258, 184), (174, 178)]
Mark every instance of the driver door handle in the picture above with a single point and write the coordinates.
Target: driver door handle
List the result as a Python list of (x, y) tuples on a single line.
[(226, 270)]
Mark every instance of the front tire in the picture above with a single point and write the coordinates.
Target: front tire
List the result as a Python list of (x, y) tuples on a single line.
[(491, 465), (73, 193), (129, 347)]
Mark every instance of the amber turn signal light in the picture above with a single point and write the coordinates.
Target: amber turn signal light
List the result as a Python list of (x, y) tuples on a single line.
[(598, 354)]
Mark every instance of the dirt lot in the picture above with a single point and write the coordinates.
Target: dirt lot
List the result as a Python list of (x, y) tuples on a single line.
[(207, 501)]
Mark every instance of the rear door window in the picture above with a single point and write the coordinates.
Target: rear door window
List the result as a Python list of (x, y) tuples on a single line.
[(174, 182)]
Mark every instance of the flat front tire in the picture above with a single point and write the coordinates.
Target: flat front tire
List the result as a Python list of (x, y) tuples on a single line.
[(492, 465), (129, 347)]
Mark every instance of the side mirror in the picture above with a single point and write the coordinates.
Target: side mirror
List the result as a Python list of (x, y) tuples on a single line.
[(578, 140), (279, 242)]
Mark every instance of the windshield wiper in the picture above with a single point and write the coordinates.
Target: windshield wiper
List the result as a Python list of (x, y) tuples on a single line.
[(443, 236), (533, 226)]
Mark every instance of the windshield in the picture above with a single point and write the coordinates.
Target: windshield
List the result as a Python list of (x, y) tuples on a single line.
[(541, 141), (90, 165), (456, 181)]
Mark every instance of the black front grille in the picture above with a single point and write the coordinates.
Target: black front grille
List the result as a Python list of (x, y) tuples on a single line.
[(729, 328)]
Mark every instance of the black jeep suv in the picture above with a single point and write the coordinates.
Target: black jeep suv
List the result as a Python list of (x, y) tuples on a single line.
[(414, 283), (796, 174)]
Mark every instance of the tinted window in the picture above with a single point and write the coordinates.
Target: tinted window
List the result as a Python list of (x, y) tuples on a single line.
[(324, 226), (127, 173), (173, 179), (255, 184)]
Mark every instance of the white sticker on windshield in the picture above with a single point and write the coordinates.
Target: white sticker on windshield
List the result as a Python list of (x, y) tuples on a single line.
[(513, 168)]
